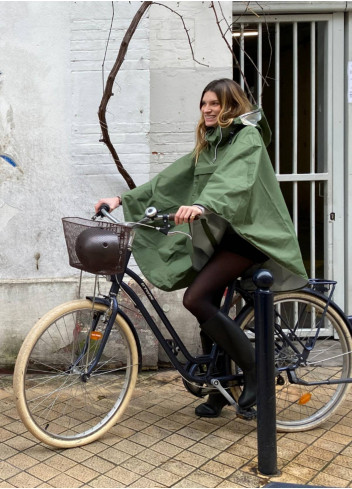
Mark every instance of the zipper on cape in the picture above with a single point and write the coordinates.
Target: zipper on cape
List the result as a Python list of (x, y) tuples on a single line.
[(216, 147)]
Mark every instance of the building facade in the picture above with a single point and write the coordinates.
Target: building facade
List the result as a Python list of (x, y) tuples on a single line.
[(56, 57)]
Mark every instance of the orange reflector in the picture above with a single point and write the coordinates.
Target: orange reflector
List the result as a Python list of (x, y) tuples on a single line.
[(305, 398), (96, 335)]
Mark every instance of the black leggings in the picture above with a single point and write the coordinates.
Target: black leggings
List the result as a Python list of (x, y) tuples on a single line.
[(231, 258), (203, 296)]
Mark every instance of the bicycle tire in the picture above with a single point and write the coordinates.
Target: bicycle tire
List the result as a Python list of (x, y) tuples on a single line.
[(300, 407), (53, 402)]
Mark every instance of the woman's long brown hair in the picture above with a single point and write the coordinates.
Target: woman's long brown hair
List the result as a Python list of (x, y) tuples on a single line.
[(233, 102)]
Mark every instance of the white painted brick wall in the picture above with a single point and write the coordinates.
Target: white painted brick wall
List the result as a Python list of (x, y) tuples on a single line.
[(50, 90)]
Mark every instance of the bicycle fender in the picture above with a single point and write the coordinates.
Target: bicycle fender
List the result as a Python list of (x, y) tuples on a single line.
[(106, 302)]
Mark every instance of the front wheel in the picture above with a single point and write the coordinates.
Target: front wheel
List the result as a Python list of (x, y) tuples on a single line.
[(57, 403), (310, 347)]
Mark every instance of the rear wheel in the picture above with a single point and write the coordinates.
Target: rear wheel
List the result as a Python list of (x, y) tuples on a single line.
[(309, 348), (56, 402)]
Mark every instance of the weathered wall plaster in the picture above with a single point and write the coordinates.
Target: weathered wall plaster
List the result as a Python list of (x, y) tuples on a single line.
[(50, 90)]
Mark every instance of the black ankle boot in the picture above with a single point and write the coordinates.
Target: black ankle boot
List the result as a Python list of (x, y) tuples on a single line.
[(213, 407), (230, 337)]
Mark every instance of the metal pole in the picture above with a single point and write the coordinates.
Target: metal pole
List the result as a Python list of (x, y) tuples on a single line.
[(265, 361)]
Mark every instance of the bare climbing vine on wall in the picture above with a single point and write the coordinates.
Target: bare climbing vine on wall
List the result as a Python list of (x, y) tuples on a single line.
[(224, 28)]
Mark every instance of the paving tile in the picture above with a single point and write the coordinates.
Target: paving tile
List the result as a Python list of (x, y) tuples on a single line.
[(242, 450), (288, 478), (135, 424), (64, 480), (204, 478), (23, 479), (103, 481), (145, 482), (5, 435), (192, 433), (113, 435), (336, 437), (143, 439), (6, 452), (181, 419), (219, 469), (40, 452), (16, 427), (60, 462), (84, 475), (301, 472), (153, 457), (343, 460), (98, 464), (177, 467), (328, 480), (166, 448), (342, 471), (203, 426), (310, 461), (319, 452), (190, 458), (188, 483), (44, 472), (230, 459), (179, 440), (76, 454), (129, 447), (344, 430), (22, 461), (151, 418), (96, 447), (170, 424), (19, 443), (160, 410), (205, 450), (114, 455), (293, 445), (163, 477), (226, 483), (347, 451), (7, 470), (217, 442), (328, 445), (122, 475), (137, 466), (157, 432)]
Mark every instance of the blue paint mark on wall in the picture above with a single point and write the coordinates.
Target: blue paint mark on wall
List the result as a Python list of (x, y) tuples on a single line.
[(8, 159)]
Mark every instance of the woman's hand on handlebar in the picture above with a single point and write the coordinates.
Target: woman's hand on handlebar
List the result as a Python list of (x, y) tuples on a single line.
[(113, 203), (187, 213)]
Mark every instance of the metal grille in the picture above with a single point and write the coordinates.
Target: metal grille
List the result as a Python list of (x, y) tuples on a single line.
[(286, 64)]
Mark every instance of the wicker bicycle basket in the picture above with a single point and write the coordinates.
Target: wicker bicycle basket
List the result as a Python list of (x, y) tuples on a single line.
[(96, 247)]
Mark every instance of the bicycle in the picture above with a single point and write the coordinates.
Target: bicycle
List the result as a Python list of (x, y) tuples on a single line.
[(77, 368)]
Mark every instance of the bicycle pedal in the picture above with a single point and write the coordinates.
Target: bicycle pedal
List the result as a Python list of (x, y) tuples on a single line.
[(248, 414)]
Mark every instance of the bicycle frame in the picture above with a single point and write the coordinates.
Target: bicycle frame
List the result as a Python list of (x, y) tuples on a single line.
[(112, 303)]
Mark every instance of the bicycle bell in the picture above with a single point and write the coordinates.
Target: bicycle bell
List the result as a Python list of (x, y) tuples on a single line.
[(151, 212)]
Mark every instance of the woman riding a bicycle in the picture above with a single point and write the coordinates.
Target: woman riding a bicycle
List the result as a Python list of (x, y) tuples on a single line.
[(226, 191)]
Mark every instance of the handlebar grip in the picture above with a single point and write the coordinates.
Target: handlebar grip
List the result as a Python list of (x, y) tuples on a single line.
[(103, 207), (171, 217)]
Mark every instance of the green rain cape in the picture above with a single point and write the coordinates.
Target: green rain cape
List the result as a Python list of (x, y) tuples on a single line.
[(235, 182)]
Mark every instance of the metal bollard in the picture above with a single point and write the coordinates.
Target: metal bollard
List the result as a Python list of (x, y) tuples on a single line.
[(265, 361)]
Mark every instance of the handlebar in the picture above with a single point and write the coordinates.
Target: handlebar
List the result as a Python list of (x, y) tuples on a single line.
[(151, 214)]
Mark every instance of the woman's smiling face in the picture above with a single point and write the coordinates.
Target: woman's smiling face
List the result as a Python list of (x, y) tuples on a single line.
[(210, 109)]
